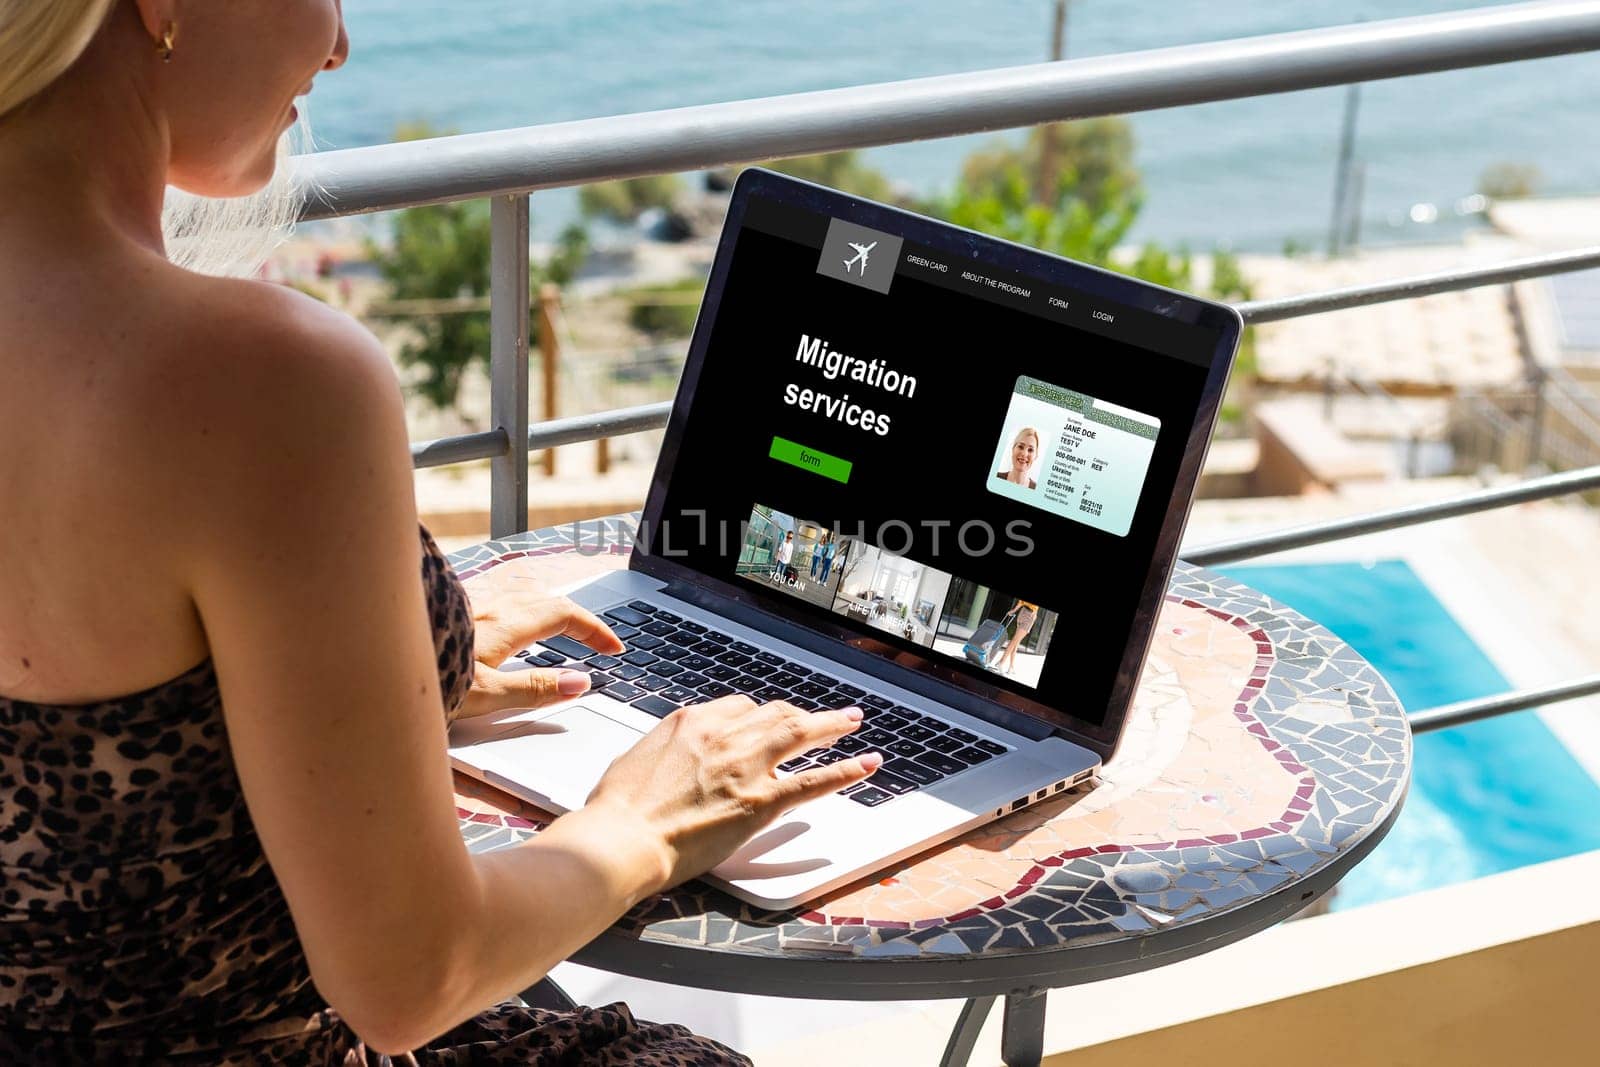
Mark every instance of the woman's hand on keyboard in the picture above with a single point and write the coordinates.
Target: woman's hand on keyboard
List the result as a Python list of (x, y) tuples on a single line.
[(511, 613), (704, 781)]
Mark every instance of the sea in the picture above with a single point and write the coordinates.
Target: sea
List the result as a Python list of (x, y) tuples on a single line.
[(1249, 175)]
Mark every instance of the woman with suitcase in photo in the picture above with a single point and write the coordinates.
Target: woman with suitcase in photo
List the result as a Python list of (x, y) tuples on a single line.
[(1026, 613)]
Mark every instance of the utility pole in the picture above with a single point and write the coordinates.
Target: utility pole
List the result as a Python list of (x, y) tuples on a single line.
[(1341, 176), (1044, 188), (1357, 197)]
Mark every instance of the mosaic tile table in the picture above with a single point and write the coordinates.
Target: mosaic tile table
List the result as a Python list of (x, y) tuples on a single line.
[(1263, 759)]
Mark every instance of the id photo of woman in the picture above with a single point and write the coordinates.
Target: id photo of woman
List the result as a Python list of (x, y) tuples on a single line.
[(1024, 455)]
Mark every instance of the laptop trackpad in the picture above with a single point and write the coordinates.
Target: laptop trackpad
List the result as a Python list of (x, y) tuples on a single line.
[(561, 756)]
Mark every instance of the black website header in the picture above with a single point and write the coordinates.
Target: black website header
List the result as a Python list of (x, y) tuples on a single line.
[(1069, 307)]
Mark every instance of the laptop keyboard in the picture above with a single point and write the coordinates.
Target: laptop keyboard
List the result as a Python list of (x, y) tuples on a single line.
[(672, 661)]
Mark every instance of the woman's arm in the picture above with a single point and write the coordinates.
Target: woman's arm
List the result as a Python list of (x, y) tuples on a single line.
[(306, 573), (304, 567)]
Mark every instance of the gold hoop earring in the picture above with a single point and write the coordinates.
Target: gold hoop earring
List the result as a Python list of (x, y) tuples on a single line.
[(168, 35)]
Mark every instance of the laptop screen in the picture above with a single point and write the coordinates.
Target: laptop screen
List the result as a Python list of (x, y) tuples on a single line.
[(894, 433)]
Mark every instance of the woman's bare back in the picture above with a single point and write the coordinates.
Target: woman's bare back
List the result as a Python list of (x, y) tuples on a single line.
[(208, 508), (214, 967), (110, 362)]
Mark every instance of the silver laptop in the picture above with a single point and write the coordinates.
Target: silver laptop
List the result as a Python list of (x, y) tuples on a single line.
[(910, 468)]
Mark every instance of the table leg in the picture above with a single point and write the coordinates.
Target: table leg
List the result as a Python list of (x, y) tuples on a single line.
[(1022, 1029), (965, 1035)]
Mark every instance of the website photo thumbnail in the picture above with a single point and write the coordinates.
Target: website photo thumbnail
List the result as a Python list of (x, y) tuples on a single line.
[(891, 593), (995, 631), (801, 558), (987, 630)]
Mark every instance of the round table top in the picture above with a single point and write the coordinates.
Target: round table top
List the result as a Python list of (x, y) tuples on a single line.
[(1262, 759)]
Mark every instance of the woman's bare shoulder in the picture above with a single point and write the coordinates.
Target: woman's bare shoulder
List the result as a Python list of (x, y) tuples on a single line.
[(257, 353), (257, 389), (245, 330)]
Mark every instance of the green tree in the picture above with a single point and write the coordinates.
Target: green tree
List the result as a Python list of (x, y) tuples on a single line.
[(844, 171), (1091, 158), (441, 252), (665, 311), (1509, 181), (1082, 208), (628, 198), (566, 259), (1227, 278), (1094, 196), (1003, 205)]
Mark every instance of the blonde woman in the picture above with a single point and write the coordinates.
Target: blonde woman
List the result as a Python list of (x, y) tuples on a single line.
[(226, 828), (1024, 453)]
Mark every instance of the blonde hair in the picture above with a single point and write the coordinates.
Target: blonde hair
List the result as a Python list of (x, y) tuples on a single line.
[(41, 39)]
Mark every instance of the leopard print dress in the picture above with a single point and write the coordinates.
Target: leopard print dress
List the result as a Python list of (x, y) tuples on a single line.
[(140, 923)]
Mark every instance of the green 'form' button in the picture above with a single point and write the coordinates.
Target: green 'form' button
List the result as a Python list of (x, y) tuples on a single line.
[(786, 451)]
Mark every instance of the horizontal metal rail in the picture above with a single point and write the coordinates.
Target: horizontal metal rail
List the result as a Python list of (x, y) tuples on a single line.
[(471, 166), (446, 450), (480, 446), (1466, 711), (1255, 312), (492, 444), (1577, 481), (568, 431)]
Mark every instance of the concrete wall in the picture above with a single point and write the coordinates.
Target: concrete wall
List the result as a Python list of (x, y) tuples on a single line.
[(1527, 1002), (1300, 451), (1496, 972)]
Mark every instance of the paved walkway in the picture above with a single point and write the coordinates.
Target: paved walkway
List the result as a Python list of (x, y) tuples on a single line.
[(1549, 222)]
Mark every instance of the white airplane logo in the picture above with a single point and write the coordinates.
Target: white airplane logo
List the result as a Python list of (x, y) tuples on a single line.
[(860, 257)]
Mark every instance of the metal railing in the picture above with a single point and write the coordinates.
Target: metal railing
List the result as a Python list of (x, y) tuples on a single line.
[(515, 162), (506, 166)]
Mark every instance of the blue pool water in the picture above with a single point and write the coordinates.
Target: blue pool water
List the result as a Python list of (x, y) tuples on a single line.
[(1485, 798)]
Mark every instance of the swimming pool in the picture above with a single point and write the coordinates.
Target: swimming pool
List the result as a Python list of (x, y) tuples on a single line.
[(1487, 797)]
